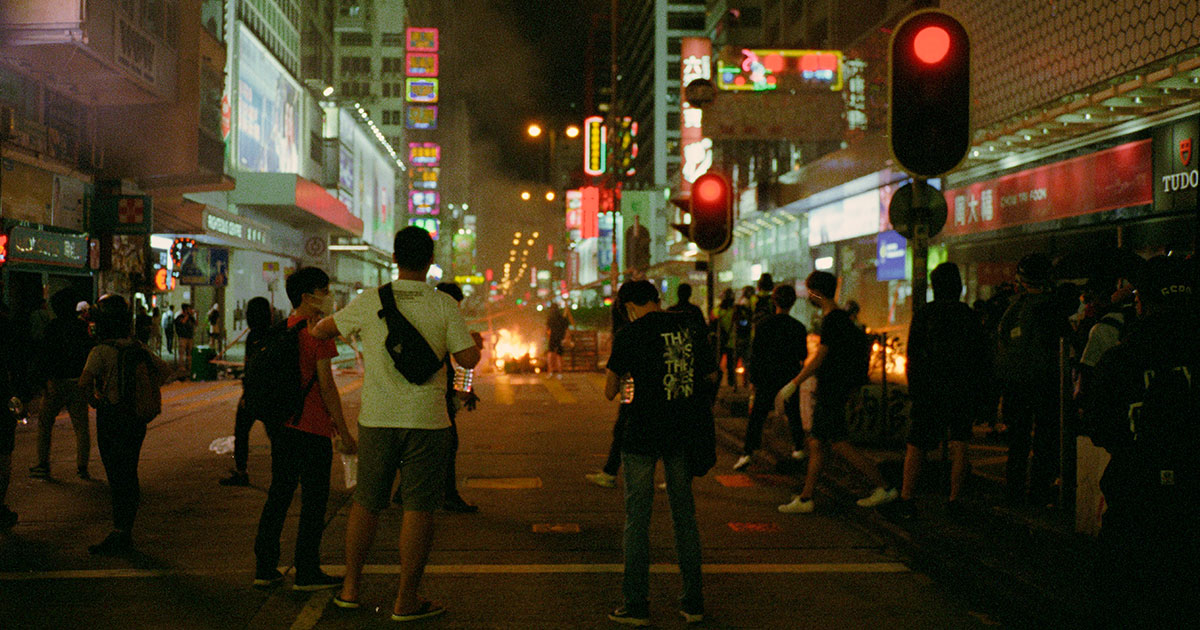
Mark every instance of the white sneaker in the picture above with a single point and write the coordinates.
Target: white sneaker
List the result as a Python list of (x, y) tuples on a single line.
[(798, 506), (742, 463), (879, 497), (799, 455), (602, 479)]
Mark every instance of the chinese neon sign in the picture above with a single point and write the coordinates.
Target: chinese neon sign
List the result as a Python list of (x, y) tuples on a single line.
[(421, 117), (421, 90), (421, 39), (421, 64), (424, 177), (761, 70), (595, 139), (697, 151), (426, 223), (424, 153), (422, 202)]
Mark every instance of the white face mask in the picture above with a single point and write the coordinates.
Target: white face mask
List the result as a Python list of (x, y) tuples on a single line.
[(323, 304)]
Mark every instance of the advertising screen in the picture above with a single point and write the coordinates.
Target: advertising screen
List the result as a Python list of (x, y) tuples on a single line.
[(268, 111)]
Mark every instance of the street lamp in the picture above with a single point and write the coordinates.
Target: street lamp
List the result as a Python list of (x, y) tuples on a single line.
[(550, 195), (328, 91), (534, 130), (573, 131), (525, 196)]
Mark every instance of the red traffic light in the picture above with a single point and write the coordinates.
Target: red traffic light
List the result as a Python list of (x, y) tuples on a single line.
[(711, 207), (931, 44)]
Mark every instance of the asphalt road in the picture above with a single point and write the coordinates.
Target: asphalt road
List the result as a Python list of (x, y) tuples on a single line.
[(543, 552)]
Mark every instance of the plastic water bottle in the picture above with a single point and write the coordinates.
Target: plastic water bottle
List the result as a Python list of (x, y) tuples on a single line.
[(222, 445), (464, 379), (626, 390), (349, 464)]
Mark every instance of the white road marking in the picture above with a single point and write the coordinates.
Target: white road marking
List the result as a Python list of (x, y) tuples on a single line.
[(485, 569), (311, 613)]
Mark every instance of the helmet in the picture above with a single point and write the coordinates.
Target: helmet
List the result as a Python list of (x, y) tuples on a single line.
[(1034, 269)]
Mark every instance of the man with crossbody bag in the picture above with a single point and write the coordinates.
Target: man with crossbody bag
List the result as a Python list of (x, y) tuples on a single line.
[(405, 328)]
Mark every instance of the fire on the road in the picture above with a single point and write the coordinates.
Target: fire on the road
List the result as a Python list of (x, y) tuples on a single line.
[(510, 347)]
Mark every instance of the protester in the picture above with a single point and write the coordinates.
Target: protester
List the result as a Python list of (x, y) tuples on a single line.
[(778, 353), (1143, 412), (685, 306), (1028, 370), (402, 425), (761, 305), (185, 331), (8, 419), (454, 399), (949, 367), (835, 366), (216, 329), (156, 331), (168, 326), (302, 449), (743, 331), (558, 326), (672, 371), (258, 318), (142, 323), (724, 322), (64, 351), (106, 380), (607, 477)]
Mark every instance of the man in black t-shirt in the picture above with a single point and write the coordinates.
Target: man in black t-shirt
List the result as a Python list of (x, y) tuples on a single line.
[(673, 374), (685, 306), (779, 349), (836, 367)]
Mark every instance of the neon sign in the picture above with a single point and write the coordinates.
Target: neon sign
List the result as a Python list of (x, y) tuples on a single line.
[(423, 202), (696, 150), (595, 139), (421, 64), (421, 90), (761, 70), (3, 248), (424, 177), (421, 39), (428, 224), (421, 117), (424, 153)]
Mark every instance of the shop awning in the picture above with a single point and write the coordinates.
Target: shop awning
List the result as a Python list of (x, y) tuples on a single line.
[(289, 198)]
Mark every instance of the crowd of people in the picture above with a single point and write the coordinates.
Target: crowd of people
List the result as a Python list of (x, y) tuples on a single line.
[(1131, 342)]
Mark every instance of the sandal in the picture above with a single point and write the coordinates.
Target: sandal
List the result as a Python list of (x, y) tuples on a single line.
[(426, 610), (343, 603)]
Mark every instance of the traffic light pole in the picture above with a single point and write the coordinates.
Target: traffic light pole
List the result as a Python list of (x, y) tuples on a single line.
[(920, 245)]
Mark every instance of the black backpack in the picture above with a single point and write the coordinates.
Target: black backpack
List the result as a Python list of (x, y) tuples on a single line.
[(272, 384), (410, 352), (137, 382), (742, 322), (1165, 424)]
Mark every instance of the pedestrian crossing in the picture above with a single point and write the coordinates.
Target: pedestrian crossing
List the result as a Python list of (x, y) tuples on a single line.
[(513, 389)]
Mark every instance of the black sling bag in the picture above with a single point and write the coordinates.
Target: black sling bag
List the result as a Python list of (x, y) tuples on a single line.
[(414, 359)]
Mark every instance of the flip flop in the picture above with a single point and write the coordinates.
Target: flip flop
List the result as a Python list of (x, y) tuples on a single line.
[(342, 603), (426, 610)]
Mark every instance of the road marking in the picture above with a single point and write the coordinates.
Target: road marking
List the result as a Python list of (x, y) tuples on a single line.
[(559, 392), (756, 528), (311, 613), (556, 528), (504, 483), (479, 569), (504, 391)]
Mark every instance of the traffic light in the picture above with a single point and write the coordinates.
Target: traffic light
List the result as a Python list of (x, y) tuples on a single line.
[(711, 207), (930, 89)]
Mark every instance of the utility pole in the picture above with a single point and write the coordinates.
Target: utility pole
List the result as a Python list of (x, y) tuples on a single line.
[(614, 180)]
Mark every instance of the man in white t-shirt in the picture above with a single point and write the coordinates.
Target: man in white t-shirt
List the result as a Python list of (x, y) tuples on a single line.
[(401, 426)]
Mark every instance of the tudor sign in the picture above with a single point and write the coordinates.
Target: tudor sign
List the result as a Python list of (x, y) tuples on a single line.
[(1176, 167)]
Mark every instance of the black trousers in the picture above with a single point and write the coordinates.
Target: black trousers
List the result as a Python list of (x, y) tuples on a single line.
[(242, 424), (613, 465), (1031, 413), (120, 438), (731, 358), (304, 459), (764, 402)]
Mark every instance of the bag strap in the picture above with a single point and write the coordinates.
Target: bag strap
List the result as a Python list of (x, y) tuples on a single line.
[(397, 323)]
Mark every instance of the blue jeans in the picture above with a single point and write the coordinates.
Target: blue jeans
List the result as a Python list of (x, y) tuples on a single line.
[(639, 501)]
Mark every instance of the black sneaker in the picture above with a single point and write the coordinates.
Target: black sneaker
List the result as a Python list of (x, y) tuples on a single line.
[(267, 579), (83, 474), (318, 582), (623, 616), (41, 471), (8, 518), (236, 478), (116, 544)]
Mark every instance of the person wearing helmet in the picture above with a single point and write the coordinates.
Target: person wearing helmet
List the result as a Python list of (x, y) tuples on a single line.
[(1027, 370)]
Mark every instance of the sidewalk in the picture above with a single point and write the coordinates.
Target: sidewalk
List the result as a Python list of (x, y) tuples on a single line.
[(1024, 565)]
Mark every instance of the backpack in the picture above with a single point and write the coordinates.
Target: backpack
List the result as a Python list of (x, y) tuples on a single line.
[(764, 307), (743, 320), (137, 382), (1165, 424), (410, 352), (272, 384)]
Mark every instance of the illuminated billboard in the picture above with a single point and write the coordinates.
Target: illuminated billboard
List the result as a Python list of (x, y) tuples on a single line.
[(761, 70), (695, 61), (268, 129), (423, 202), (424, 153), (426, 223), (424, 177), (421, 64), (595, 151), (421, 117), (421, 90), (421, 39)]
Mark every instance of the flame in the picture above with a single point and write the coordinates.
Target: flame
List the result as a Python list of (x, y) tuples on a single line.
[(509, 345), (898, 363)]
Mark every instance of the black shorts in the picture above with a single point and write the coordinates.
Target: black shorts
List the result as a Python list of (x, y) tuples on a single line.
[(829, 418), (933, 423)]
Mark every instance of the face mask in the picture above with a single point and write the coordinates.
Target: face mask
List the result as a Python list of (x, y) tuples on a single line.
[(324, 304)]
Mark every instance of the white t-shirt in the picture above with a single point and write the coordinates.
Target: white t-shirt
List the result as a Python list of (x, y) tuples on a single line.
[(388, 399)]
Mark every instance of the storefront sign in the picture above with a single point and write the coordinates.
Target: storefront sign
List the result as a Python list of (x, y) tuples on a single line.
[(421, 39), (421, 90), (233, 226), (595, 146), (845, 219), (421, 64), (421, 117), (1119, 177), (475, 279), (424, 153), (1177, 166), (741, 69), (30, 245), (890, 256), (424, 177), (423, 202), (696, 150)]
